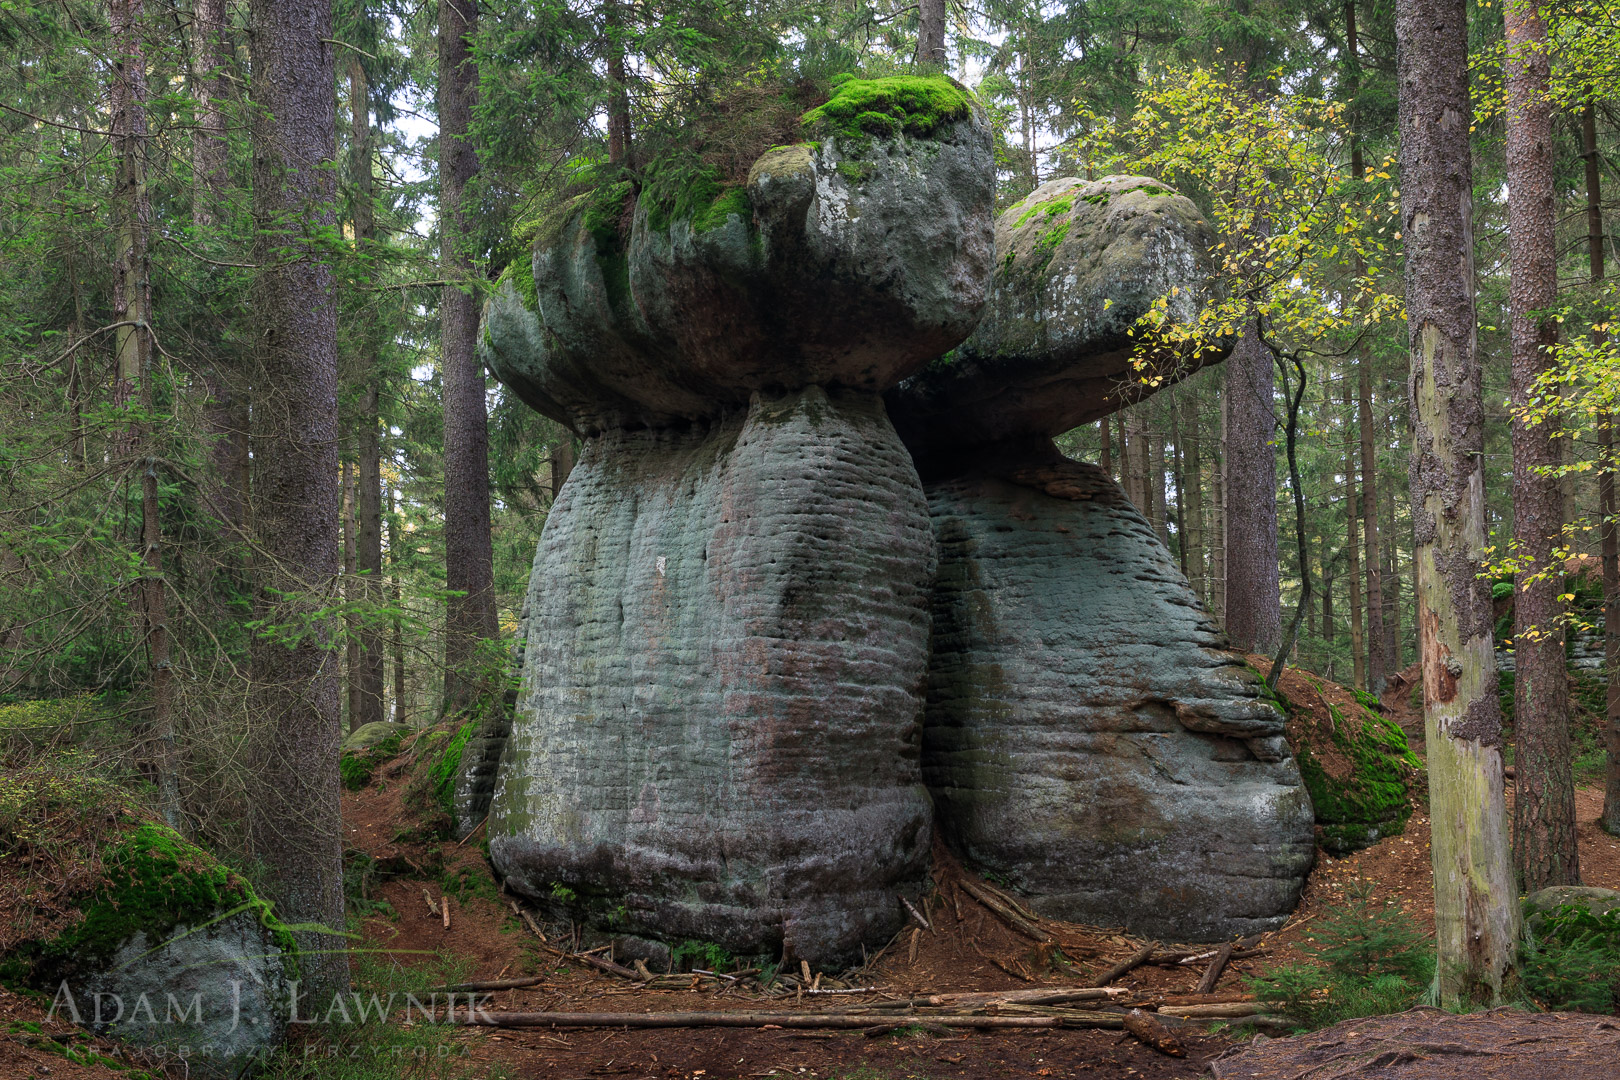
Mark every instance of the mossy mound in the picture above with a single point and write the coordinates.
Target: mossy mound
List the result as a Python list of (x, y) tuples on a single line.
[(367, 748), (1358, 768), (916, 105)]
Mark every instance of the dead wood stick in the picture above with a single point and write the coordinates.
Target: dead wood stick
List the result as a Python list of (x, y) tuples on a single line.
[(1212, 974), (433, 905), (491, 984), (917, 915), (606, 966), (522, 913), (444, 907), (1150, 1032), (1214, 1011), (1054, 995), (855, 990), (485, 1018), (1010, 900), (1005, 913), (1129, 964), (881, 1030)]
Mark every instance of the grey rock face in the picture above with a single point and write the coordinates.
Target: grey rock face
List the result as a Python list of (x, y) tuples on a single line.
[(1077, 263), (219, 990), (1087, 735), (1599, 902), (835, 265), (368, 735), (718, 725)]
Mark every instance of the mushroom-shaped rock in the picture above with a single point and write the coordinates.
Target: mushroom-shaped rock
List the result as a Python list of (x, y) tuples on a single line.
[(717, 733), (1088, 737), (1077, 264), (849, 260)]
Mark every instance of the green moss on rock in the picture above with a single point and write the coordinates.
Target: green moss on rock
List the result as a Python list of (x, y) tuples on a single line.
[(521, 274), (1371, 801), (917, 105)]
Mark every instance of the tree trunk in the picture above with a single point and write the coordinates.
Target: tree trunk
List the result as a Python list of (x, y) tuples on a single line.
[(1609, 526), (1105, 453), (294, 825), (396, 597), (1193, 514), (1475, 902), (208, 146), (1352, 549), (1390, 601), (1377, 630), (132, 307), (562, 463), (1217, 535), (1157, 493), (931, 33), (468, 552), (1253, 584), (1133, 463), (618, 121), (366, 675), (1544, 784), (351, 594)]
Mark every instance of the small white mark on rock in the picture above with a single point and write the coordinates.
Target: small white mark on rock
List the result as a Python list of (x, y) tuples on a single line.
[(659, 564)]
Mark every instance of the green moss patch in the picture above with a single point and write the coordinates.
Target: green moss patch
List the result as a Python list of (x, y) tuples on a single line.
[(447, 766), (521, 274), (1049, 208), (916, 105), (1359, 804)]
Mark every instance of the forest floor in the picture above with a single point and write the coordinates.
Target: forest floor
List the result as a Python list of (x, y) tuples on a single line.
[(968, 948)]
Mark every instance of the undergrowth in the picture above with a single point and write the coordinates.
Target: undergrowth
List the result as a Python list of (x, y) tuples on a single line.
[(1365, 959), (1571, 959)]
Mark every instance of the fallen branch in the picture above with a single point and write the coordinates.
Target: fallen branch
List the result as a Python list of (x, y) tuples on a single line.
[(1150, 1032), (1005, 913), (1129, 964), (1219, 1011), (606, 966), (1212, 974), (833, 1021), (433, 905), (523, 913), (917, 915), (493, 984)]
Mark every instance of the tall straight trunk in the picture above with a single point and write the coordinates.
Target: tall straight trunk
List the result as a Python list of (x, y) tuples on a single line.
[(562, 463), (1178, 480), (931, 33), (366, 674), (1544, 784), (1253, 582), (1475, 903), (78, 447), (468, 552), (293, 818), (1352, 549), (1329, 629), (1377, 628), (208, 148), (351, 593), (1157, 491), (396, 595), (1133, 463), (1105, 453), (1609, 526), (1124, 453), (1390, 601), (618, 120), (132, 307), (1193, 483)]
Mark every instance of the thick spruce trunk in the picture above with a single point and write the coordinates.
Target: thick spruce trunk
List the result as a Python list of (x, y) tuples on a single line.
[(1253, 585), (1475, 902), (468, 552), (1544, 786), (294, 824)]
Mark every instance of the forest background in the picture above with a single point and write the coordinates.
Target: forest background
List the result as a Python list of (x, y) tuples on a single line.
[(145, 566)]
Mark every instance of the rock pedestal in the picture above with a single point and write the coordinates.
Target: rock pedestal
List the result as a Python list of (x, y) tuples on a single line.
[(752, 574)]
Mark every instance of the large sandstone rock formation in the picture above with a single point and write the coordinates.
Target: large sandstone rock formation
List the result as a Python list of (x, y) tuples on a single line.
[(721, 732)]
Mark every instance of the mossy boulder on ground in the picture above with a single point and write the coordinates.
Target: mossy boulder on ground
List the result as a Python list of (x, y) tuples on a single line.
[(852, 258), (1601, 904), (156, 943), (1355, 761)]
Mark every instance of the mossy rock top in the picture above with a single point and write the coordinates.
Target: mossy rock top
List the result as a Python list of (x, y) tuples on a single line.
[(850, 259), (1077, 264)]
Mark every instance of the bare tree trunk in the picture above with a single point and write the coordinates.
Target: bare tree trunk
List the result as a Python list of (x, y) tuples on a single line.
[(1377, 643), (396, 596), (468, 551), (1193, 515), (1178, 482), (1609, 526), (931, 33), (1544, 784), (562, 463), (1217, 537), (1475, 903), (294, 823), (1157, 493), (1352, 533), (366, 673), (1105, 453), (208, 148), (1390, 600), (618, 123), (1133, 463), (1253, 583), (352, 594)]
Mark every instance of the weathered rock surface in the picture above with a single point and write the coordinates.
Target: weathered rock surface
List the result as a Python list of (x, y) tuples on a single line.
[(369, 735), (179, 950), (850, 261), (1602, 903), (1077, 263), (1087, 734), (717, 733)]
